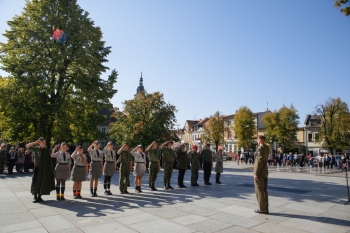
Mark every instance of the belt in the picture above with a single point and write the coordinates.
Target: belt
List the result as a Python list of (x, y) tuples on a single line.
[(156, 161), (109, 162), (140, 162), (168, 162), (95, 161), (62, 163), (79, 166)]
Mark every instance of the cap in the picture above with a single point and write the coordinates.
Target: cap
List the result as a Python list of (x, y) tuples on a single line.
[(194, 147), (110, 142), (140, 146), (262, 137), (63, 144), (41, 139)]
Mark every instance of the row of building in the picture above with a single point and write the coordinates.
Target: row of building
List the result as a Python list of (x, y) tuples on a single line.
[(305, 142)]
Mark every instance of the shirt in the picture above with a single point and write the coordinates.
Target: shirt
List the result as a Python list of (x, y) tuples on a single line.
[(153, 155), (96, 155), (218, 158), (207, 155), (80, 160), (139, 157), (62, 157), (194, 157), (125, 158), (109, 155), (168, 155)]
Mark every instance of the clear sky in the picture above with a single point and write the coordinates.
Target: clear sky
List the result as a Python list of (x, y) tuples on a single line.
[(208, 56)]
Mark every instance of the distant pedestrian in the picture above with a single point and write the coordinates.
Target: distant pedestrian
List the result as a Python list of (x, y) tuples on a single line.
[(28, 161), (3, 158), (20, 161), (12, 159), (219, 165)]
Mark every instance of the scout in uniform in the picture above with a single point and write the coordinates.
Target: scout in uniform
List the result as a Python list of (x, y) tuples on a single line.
[(79, 171), (260, 176), (12, 159), (125, 161), (154, 165), (219, 167), (62, 169), (207, 164), (3, 158), (182, 164), (195, 163), (20, 161), (96, 166), (140, 166), (109, 167), (43, 181), (168, 160)]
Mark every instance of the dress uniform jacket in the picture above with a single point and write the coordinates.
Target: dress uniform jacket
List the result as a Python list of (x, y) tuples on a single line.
[(182, 159)]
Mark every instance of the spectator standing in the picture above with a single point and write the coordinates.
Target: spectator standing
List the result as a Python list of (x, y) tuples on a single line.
[(27, 161), (20, 161), (3, 158), (12, 159)]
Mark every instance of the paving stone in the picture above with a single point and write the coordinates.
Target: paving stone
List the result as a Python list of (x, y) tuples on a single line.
[(210, 226), (20, 226), (189, 219), (236, 229), (309, 209), (240, 211), (12, 207), (69, 230), (35, 230), (160, 225), (274, 228), (197, 210), (165, 212), (55, 223), (137, 218), (313, 226), (236, 220), (9, 219), (109, 227)]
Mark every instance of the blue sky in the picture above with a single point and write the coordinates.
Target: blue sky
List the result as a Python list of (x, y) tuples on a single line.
[(208, 56)]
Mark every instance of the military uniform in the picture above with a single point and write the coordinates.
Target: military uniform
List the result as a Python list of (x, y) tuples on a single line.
[(3, 157), (168, 159), (124, 172), (182, 164), (195, 164), (154, 156), (261, 171), (207, 165)]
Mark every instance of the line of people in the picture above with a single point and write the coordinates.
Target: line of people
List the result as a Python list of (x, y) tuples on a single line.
[(103, 162), (14, 158)]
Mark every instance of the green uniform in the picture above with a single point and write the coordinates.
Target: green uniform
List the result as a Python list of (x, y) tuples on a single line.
[(195, 162), (168, 158), (43, 181), (182, 159), (207, 164), (153, 156), (207, 156), (3, 156), (124, 171), (261, 171)]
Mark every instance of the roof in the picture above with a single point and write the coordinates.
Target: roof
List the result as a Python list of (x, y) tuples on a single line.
[(311, 117), (191, 123), (107, 113)]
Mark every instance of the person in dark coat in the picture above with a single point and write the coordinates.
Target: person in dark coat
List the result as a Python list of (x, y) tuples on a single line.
[(43, 181), (12, 159)]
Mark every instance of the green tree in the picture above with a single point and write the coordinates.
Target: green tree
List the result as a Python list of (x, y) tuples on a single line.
[(343, 5), (144, 119), (55, 89), (244, 127), (282, 126), (335, 124), (214, 130)]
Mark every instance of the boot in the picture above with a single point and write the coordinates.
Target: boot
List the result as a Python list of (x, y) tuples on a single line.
[(218, 182), (91, 192), (154, 188), (95, 192), (58, 196), (169, 187), (62, 193), (150, 187), (40, 199), (137, 189), (35, 199), (140, 189), (165, 186)]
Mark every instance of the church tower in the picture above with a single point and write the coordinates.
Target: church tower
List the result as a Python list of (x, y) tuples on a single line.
[(141, 87)]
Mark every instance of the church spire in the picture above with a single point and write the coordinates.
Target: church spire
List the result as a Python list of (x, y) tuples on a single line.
[(141, 87)]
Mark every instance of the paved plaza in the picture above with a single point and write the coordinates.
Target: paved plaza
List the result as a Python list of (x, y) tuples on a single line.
[(299, 202)]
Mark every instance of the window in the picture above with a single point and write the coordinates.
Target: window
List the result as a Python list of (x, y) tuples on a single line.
[(229, 135), (103, 144), (309, 137), (315, 136), (313, 123), (103, 130)]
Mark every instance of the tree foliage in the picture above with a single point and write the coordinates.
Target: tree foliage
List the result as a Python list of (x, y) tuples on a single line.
[(335, 124), (54, 90), (343, 5), (282, 126), (145, 119), (244, 127), (214, 130)]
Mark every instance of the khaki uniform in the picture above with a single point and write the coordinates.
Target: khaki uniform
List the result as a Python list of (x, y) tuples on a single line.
[(195, 161), (261, 171), (168, 159), (124, 172), (154, 156)]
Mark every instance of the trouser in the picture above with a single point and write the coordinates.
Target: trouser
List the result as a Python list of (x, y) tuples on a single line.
[(261, 193), (194, 174), (10, 166), (34, 178), (180, 178), (26, 167), (168, 171), (124, 173), (2, 164), (207, 171), (19, 167), (153, 172)]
